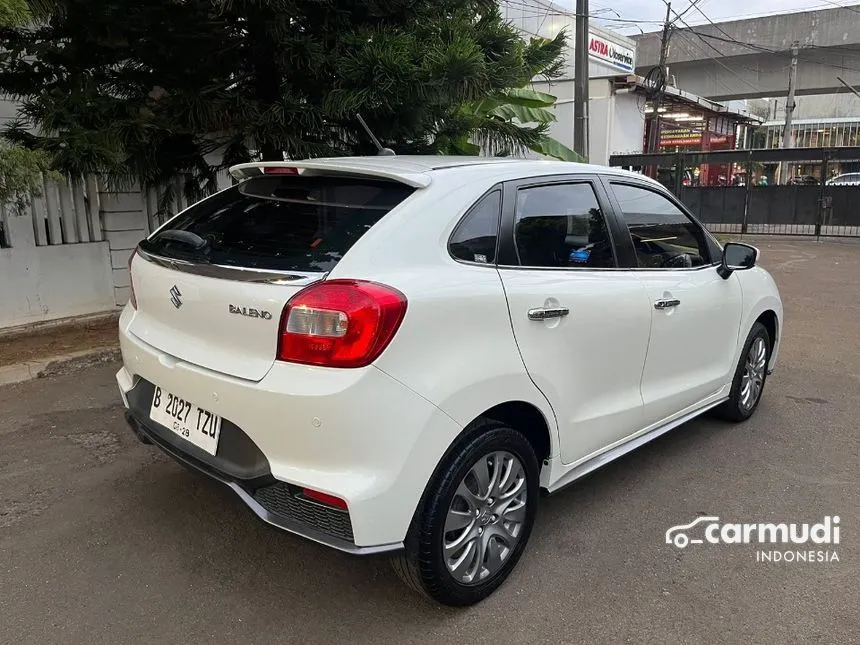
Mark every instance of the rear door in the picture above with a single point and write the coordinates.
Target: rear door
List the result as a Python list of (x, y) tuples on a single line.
[(696, 314), (219, 306), (580, 322)]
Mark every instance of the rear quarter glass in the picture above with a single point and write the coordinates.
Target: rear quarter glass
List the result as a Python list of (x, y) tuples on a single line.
[(283, 222)]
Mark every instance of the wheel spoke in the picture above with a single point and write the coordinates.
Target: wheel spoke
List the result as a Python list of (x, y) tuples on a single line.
[(451, 548), (480, 554), (515, 512), (466, 494), (505, 468), (458, 520), (464, 563), (481, 472), (496, 554)]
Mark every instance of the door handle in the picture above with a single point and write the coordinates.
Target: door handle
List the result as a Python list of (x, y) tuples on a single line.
[(543, 313), (665, 304)]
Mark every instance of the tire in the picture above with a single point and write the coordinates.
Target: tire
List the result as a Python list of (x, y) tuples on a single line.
[(736, 408), (423, 564)]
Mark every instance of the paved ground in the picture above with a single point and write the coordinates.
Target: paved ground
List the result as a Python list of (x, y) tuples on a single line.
[(103, 540)]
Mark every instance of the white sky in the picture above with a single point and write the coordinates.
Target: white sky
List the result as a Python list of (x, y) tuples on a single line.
[(643, 12)]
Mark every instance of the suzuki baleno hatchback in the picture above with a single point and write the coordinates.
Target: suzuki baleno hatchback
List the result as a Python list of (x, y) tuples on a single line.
[(397, 354)]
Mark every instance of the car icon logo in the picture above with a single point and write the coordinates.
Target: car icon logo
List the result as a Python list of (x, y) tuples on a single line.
[(677, 535), (175, 294)]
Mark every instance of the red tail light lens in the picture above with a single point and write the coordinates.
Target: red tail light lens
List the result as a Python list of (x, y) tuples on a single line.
[(131, 297), (324, 498), (340, 323)]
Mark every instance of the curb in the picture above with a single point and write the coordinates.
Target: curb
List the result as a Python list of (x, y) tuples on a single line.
[(58, 365)]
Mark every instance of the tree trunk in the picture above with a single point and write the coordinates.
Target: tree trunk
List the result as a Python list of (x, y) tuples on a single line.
[(267, 80)]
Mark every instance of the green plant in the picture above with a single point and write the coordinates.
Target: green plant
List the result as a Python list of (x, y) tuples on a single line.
[(21, 173), (145, 92)]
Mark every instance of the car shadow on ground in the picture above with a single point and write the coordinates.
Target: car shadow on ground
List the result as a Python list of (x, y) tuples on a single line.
[(222, 545)]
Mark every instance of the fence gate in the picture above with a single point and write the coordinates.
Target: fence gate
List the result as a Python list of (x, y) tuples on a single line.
[(794, 191)]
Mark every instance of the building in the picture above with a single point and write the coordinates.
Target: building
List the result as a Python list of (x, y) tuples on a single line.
[(616, 119), (748, 61)]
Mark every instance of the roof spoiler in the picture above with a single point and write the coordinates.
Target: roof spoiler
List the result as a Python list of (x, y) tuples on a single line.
[(362, 166)]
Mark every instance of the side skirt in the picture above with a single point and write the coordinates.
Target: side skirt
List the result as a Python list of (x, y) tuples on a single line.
[(618, 451)]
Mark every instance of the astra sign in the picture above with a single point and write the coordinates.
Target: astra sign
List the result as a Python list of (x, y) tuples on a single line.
[(611, 53)]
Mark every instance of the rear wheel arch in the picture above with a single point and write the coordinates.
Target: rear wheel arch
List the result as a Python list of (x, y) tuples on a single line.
[(526, 419)]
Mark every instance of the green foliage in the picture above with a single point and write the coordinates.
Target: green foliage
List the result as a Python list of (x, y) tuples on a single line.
[(145, 91), (13, 12), (21, 173), (514, 120)]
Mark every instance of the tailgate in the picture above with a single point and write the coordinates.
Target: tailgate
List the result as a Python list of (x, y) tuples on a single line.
[(222, 325), (211, 284)]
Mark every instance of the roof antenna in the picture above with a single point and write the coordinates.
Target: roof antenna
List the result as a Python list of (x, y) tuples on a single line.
[(387, 152)]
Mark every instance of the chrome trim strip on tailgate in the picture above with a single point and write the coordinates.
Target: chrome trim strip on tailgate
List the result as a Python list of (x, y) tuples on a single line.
[(239, 274)]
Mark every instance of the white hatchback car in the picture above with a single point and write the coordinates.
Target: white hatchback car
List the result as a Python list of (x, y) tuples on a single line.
[(397, 354)]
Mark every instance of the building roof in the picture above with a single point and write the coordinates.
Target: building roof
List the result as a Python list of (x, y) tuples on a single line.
[(637, 83)]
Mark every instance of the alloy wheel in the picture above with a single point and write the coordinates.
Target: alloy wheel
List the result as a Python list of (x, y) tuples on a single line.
[(486, 518), (752, 380)]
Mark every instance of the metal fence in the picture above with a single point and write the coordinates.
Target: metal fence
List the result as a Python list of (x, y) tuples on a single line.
[(794, 191)]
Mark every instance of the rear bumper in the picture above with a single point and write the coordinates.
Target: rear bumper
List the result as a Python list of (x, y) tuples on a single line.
[(255, 495), (359, 435)]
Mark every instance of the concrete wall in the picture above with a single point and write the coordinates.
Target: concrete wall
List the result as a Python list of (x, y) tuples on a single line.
[(616, 122), (125, 223), (49, 282)]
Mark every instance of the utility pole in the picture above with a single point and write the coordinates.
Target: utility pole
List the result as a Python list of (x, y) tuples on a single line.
[(580, 81), (654, 131), (789, 108)]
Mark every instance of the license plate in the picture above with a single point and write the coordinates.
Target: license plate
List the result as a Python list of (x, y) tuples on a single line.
[(190, 422)]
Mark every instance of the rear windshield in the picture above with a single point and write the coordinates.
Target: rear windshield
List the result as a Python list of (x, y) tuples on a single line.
[(282, 222)]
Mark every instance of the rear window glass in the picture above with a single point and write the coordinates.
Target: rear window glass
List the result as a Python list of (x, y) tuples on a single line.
[(290, 223)]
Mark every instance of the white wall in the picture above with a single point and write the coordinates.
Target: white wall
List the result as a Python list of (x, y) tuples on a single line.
[(49, 282)]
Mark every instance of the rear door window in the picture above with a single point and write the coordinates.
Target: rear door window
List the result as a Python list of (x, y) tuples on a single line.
[(282, 222), (562, 226)]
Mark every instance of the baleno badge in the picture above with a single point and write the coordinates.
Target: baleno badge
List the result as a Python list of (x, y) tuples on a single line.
[(250, 313)]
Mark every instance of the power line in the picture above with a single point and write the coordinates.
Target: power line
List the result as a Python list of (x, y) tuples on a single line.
[(532, 10)]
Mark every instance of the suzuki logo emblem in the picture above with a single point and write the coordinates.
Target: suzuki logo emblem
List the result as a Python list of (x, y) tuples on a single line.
[(174, 297)]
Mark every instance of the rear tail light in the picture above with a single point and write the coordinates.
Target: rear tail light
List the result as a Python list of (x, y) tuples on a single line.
[(280, 170), (131, 297), (324, 498), (340, 323)]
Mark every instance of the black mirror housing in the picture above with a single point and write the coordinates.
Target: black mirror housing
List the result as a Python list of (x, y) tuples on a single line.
[(737, 257)]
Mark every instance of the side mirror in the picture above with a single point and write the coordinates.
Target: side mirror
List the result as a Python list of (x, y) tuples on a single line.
[(737, 257)]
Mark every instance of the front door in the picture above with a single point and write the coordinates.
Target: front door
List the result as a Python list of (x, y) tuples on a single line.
[(581, 324), (696, 314)]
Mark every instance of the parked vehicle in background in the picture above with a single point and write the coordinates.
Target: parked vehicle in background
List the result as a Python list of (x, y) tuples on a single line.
[(396, 354), (848, 179), (803, 180)]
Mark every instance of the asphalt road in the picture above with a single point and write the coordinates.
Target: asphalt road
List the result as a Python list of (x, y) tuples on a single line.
[(104, 540)]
